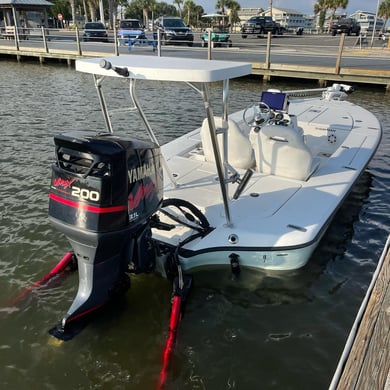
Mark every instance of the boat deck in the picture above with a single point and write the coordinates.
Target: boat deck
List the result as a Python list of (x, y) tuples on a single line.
[(367, 365)]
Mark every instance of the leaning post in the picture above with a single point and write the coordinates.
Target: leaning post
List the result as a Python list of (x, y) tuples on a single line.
[(159, 43), (267, 77), (209, 44), (340, 53), (44, 38), (16, 37), (78, 41), (268, 53), (116, 43)]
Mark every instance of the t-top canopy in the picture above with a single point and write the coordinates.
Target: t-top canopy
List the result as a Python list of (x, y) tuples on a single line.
[(165, 68)]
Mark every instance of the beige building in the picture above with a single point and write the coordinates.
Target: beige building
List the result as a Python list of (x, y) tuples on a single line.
[(367, 21), (245, 13), (290, 18)]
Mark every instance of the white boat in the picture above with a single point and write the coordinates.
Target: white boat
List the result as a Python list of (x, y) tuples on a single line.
[(255, 188), (303, 167)]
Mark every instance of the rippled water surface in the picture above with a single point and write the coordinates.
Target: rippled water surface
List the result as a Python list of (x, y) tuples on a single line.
[(264, 331)]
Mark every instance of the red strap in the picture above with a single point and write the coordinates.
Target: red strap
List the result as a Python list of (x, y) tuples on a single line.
[(173, 324)]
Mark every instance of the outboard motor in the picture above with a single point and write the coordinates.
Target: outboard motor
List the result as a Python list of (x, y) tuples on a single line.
[(104, 191)]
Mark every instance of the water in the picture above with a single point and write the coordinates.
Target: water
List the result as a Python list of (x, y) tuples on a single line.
[(265, 331)]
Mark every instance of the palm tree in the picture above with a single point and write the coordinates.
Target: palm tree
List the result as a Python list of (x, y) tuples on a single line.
[(73, 9), (178, 3), (321, 7), (233, 14), (189, 6), (221, 4), (333, 5), (232, 5), (199, 11), (384, 11), (93, 5), (147, 5)]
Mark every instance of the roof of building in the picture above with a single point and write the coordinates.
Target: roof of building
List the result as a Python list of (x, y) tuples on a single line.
[(287, 10), (26, 3)]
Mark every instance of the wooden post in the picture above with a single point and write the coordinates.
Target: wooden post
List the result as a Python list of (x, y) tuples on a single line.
[(16, 37), (209, 44), (44, 39), (341, 47), (268, 53), (116, 50), (159, 43), (78, 41)]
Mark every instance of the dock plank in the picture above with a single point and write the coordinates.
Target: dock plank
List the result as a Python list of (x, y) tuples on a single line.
[(368, 363)]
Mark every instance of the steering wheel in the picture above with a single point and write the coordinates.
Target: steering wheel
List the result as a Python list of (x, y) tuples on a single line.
[(261, 114)]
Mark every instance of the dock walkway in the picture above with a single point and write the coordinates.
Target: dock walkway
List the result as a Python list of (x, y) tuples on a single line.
[(365, 362), (331, 68)]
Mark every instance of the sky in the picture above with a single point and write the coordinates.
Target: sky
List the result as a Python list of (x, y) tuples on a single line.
[(305, 6)]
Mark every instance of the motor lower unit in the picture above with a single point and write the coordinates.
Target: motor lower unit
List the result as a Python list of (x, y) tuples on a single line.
[(104, 192)]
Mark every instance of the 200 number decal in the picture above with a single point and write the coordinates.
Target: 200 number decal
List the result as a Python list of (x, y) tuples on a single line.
[(85, 194)]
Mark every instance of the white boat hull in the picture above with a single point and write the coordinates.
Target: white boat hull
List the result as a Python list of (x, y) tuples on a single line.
[(300, 163), (277, 222)]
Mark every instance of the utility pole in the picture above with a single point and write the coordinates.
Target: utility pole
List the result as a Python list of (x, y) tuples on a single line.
[(270, 8), (374, 28)]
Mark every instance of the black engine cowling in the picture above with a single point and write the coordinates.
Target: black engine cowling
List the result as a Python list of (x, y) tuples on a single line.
[(104, 191)]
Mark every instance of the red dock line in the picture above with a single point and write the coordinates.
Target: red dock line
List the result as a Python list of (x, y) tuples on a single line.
[(173, 325)]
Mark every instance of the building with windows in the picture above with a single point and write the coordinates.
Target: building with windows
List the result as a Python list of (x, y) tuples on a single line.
[(367, 21), (291, 19), (245, 13)]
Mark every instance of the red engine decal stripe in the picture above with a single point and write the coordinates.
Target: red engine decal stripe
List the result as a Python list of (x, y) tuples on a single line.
[(86, 207)]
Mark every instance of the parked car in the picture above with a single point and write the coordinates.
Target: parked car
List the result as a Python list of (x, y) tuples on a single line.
[(219, 37), (130, 29), (95, 31), (259, 25), (174, 30), (219, 34), (299, 30), (345, 25)]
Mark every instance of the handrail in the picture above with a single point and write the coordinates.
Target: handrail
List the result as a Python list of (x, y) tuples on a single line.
[(63, 43)]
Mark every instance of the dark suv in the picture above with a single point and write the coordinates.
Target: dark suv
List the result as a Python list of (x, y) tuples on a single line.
[(174, 30), (345, 25), (259, 25)]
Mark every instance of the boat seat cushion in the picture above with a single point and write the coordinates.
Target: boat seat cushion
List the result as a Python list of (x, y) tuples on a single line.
[(240, 152), (284, 153)]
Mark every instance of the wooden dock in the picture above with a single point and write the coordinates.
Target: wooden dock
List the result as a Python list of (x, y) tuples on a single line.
[(365, 362), (267, 70)]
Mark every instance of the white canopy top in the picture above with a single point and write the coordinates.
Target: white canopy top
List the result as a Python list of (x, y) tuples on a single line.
[(213, 16), (166, 68)]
